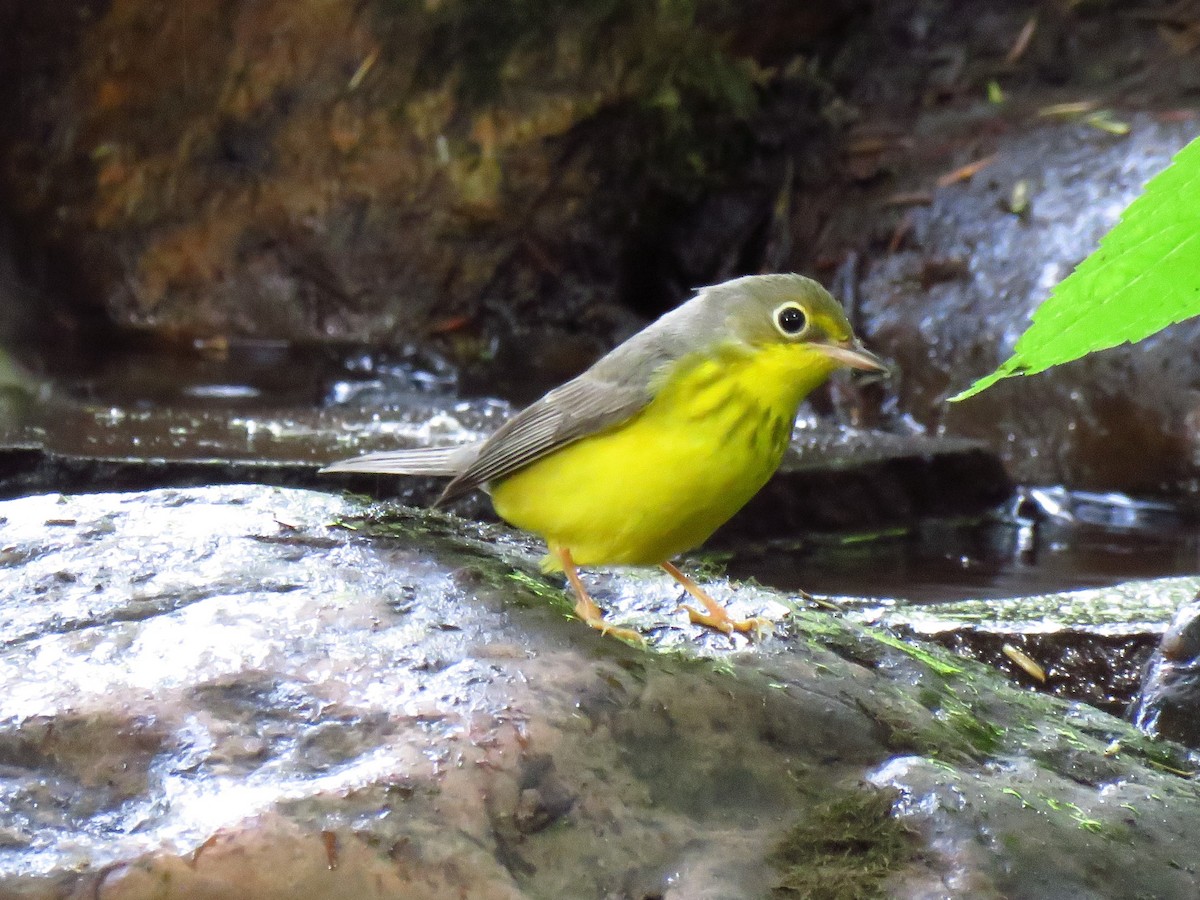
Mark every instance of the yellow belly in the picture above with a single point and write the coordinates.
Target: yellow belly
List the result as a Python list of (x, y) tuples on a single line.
[(650, 488)]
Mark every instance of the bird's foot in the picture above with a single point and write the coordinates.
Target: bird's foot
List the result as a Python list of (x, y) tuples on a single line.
[(715, 615), (585, 606), (589, 613), (718, 618)]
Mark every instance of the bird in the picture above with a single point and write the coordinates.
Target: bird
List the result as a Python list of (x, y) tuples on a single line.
[(646, 453)]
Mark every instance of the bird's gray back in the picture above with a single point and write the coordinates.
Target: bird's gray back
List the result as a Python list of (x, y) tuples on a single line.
[(614, 389)]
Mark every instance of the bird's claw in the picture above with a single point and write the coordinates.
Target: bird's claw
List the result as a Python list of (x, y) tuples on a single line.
[(755, 626)]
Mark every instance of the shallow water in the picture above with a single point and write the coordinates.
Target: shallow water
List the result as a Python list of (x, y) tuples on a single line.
[(937, 562)]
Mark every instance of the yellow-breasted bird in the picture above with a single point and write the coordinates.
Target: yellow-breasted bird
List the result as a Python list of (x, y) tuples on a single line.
[(646, 453)]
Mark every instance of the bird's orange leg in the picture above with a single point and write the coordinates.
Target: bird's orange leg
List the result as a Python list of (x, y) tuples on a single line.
[(585, 606), (717, 616)]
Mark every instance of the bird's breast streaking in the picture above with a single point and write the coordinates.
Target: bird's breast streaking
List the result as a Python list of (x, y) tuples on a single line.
[(664, 481)]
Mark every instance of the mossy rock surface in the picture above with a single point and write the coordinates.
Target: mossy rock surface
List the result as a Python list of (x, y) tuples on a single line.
[(264, 688)]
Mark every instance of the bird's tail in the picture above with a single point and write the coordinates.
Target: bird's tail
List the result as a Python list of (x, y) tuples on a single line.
[(421, 461)]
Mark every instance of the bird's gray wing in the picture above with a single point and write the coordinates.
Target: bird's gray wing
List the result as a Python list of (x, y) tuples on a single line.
[(414, 461), (581, 407)]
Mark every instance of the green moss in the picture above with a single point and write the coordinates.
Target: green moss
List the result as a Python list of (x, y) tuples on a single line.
[(844, 849), (389, 520), (872, 537), (940, 666), (485, 553), (909, 728), (539, 590), (1165, 756), (710, 565), (822, 630)]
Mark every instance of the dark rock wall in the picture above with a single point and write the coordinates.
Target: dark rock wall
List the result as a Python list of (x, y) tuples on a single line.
[(385, 170)]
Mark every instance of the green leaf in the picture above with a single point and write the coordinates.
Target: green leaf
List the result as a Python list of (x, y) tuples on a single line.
[(1144, 276)]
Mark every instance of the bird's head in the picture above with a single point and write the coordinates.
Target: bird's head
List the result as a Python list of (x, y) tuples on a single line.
[(791, 311)]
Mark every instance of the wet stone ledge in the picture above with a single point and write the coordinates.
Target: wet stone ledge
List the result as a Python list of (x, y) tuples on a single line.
[(1092, 645), (253, 691), (832, 478)]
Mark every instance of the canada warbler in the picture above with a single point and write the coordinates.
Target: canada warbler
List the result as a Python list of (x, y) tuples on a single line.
[(646, 453)]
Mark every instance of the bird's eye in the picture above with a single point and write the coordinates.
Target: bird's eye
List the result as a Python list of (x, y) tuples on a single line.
[(790, 320)]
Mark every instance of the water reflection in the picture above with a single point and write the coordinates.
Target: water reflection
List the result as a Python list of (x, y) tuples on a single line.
[(1047, 540)]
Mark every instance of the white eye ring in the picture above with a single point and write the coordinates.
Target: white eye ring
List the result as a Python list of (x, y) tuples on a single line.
[(790, 320)]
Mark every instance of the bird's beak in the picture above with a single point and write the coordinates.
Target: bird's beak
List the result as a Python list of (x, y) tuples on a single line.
[(851, 353)]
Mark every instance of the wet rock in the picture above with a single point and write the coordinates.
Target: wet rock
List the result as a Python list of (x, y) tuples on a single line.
[(948, 804), (1118, 420), (1166, 703), (1092, 644), (406, 709)]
